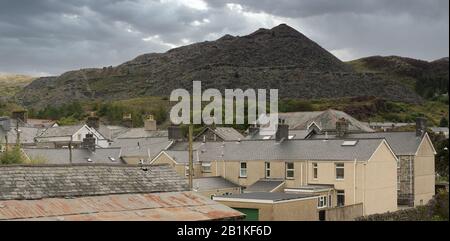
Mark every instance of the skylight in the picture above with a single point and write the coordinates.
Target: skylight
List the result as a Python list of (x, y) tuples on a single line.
[(349, 143)]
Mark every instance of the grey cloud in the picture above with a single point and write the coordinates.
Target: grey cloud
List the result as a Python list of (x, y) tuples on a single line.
[(56, 36)]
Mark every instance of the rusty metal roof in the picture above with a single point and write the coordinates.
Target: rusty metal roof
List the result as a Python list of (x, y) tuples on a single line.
[(173, 206)]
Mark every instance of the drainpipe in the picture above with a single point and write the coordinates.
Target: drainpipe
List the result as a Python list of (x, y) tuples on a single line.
[(301, 174), (411, 180), (364, 192), (354, 181)]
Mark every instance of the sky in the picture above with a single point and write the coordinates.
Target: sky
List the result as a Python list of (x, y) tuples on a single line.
[(50, 37)]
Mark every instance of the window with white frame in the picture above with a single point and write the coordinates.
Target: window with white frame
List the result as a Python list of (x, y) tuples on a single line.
[(289, 170), (322, 202), (339, 171), (267, 169), (243, 169), (206, 167), (315, 170)]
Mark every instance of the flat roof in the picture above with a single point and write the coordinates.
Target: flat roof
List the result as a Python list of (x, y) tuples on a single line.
[(264, 197)]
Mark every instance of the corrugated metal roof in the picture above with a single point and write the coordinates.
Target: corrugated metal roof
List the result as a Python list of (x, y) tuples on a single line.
[(174, 206)]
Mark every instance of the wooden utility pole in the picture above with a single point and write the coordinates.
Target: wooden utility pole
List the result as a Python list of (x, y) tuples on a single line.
[(70, 150), (17, 133), (191, 163)]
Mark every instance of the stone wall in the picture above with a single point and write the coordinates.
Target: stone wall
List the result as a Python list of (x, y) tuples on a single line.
[(406, 177)]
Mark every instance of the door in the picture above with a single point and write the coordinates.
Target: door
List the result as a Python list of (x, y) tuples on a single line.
[(251, 214), (322, 215)]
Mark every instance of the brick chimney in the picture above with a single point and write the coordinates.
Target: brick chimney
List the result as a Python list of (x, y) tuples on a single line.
[(282, 133), (93, 121), (150, 124), (253, 130), (89, 142), (127, 121), (20, 115), (175, 133), (342, 127), (421, 126)]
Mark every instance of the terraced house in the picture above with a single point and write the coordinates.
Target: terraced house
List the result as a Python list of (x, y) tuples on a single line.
[(337, 172), (416, 167)]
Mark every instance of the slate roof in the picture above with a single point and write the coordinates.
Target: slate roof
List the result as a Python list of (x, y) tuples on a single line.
[(142, 147), (212, 183), (402, 143), (265, 196), (47, 181), (264, 185), (261, 150), (27, 134), (326, 120), (295, 134), (182, 157), (111, 132), (172, 206), (79, 155), (225, 133), (60, 131), (142, 133)]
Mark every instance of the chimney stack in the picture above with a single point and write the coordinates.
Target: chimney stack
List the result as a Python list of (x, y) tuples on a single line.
[(175, 133), (421, 126), (282, 131), (93, 121), (253, 130), (21, 115), (341, 127), (127, 121), (89, 142), (150, 124)]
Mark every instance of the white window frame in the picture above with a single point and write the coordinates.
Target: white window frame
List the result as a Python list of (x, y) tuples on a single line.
[(267, 169), (290, 169), (339, 166), (322, 202), (315, 167), (243, 171)]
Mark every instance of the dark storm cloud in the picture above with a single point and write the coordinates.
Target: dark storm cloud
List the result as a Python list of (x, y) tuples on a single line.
[(53, 36)]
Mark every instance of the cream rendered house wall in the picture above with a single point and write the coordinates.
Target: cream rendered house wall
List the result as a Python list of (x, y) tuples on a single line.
[(372, 182), (379, 185), (424, 173)]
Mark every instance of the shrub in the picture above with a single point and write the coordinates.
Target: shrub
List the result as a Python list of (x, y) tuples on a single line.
[(13, 156)]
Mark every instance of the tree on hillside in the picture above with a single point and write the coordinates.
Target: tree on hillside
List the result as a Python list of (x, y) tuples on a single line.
[(444, 122)]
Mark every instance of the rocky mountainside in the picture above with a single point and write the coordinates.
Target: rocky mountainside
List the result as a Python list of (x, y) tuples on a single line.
[(280, 58)]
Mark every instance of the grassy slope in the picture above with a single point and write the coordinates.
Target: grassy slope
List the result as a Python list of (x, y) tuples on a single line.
[(10, 84)]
